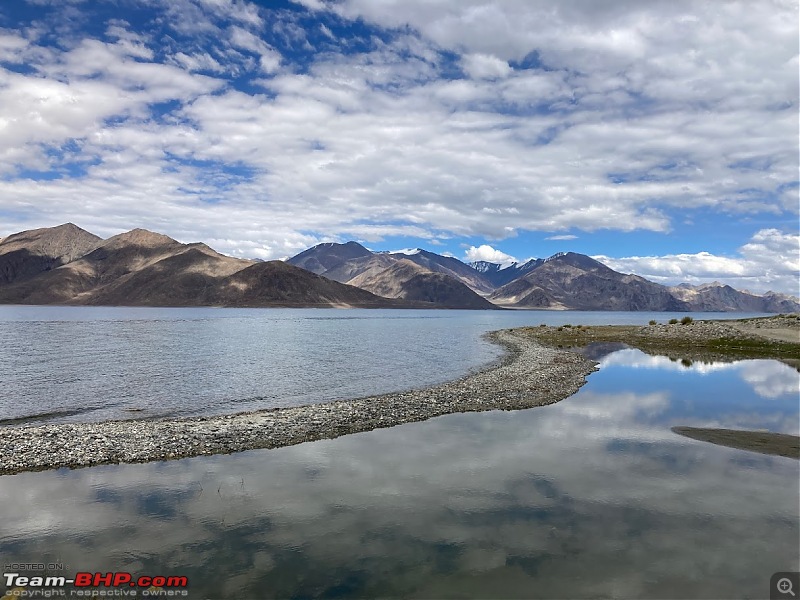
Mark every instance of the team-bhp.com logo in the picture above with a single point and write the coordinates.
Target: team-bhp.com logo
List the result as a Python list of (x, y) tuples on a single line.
[(86, 584)]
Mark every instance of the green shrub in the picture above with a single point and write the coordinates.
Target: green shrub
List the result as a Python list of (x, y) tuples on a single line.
[(686, 320), (673, 321), (652, 322)]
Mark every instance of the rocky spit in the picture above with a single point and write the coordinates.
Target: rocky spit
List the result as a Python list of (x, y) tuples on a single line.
[(528, 375)]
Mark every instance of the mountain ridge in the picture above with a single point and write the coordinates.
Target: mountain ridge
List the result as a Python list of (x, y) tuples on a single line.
[(144, 268), (69, 265), (563, 281)]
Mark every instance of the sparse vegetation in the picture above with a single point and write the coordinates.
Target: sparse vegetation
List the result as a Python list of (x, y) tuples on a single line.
[(686, 320), (652, 322), (694, 343), (673, 321)]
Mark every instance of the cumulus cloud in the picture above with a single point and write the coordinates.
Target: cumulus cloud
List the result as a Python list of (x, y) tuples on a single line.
[(488, 254), (770, 261), (771, 379), (484, 66)]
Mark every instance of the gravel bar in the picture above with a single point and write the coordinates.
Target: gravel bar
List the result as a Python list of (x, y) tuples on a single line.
[(528, 375)]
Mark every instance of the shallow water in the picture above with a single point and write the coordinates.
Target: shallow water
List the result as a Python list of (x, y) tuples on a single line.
[(61, 364), (592, 497)]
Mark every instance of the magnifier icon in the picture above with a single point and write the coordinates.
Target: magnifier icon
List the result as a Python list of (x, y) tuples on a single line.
[(784, 586)]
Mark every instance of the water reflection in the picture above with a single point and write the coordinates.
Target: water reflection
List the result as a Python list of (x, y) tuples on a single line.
[(591, 497)]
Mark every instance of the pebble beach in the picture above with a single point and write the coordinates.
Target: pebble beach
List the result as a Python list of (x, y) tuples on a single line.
[(528, 375)]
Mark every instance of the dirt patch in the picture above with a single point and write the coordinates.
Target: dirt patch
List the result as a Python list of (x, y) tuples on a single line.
[(763, 442)]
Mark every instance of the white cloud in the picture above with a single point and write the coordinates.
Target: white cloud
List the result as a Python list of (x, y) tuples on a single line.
[(269, 58), (198, 62), (238, 10), (564, 237), (771, 379), (488, 254), (485, 66), (770, 261), (644, 111)]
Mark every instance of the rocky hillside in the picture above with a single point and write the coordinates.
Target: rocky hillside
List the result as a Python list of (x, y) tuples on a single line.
[(498, 275), (452, 267), (578, 282), (718, 297), (324, 257), (29, 253), (565, 281), (417, 277), (409, 281), (142, 268), (276, 283)]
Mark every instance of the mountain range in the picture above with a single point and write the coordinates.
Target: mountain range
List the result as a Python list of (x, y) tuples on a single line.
[(68, 265), (567, 281)]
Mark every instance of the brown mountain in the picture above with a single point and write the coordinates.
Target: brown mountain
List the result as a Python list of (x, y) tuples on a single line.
[(142, 268), (447, 265), (719, 297), (409, 281), (182, 275), (67, 265), (29, 253), (134, 268), (328, 256), (356, 269), (578, 282), (419, 277), (276, 283)]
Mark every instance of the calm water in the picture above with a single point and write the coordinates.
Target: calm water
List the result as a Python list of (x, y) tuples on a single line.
[(593, 497), (90, 364)]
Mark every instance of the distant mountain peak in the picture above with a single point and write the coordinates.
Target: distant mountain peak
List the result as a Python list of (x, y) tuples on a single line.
[(328, 255), (140, 237), (574, 259), (483, 266)]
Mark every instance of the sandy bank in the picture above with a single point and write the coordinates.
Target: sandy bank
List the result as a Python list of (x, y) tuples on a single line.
[(763, 442)]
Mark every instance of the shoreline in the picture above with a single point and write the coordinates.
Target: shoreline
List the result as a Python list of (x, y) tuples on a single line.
[(539, 367), (529, 375)]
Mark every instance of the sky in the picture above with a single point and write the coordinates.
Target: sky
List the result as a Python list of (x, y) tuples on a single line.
[(660, 137)]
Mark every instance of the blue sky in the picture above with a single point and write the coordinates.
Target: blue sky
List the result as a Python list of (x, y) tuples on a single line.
[(661, 136)]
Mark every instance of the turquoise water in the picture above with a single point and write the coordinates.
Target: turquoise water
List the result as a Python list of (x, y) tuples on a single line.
[(61, 364), (593, 497)]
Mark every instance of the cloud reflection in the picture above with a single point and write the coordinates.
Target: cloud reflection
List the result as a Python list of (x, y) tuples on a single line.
[(767, 378), (590, 497)]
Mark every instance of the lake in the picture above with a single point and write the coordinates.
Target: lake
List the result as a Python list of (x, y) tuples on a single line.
[(592, 497), (61, 364)]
